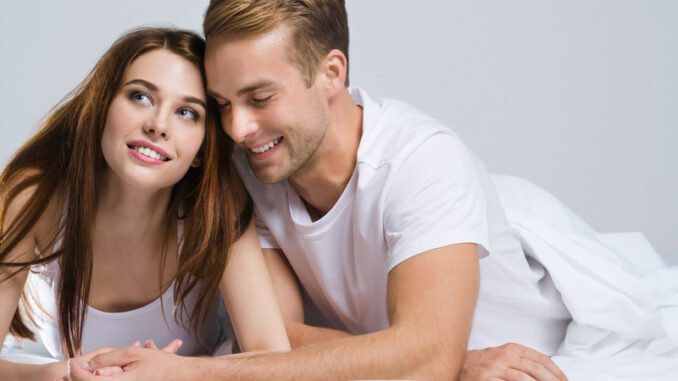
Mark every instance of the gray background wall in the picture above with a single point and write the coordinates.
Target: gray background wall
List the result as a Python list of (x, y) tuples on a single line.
[(579, 96)]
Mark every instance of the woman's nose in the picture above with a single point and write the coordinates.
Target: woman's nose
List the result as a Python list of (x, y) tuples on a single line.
[(157, 124)]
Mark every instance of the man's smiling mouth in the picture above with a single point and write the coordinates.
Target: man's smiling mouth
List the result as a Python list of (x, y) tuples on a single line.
[(267, 146)]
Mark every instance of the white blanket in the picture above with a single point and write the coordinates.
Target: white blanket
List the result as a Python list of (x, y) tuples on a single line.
[(622, 297)]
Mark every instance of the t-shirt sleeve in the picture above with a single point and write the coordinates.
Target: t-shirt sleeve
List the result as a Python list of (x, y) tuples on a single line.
[(435, 200), (266, 239)]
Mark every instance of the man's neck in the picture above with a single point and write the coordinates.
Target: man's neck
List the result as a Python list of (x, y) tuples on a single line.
[(323, 179)]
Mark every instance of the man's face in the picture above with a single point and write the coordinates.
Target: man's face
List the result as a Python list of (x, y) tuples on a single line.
[(266, 106)]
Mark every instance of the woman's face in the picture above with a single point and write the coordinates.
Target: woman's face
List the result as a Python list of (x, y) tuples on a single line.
[(156, 122)]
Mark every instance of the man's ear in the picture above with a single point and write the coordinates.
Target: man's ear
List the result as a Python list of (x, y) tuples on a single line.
[(333, 69), (196, 162)]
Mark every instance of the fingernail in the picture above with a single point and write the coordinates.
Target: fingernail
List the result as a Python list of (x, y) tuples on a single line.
[(179, 342), (84, 364), (136, 344)]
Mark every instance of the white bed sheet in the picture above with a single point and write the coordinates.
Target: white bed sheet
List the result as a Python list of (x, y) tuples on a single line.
[(622, 296)]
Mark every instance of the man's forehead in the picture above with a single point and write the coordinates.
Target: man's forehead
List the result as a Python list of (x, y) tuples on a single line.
[(277, 37), (240, 64)]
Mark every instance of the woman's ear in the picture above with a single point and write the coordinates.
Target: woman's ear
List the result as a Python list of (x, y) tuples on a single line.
[(196, 162)]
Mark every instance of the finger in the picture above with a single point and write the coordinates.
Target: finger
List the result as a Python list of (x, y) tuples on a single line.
[(511, 374), (535, 370), (121, 357), (150, 344), (555, 370), (95, 352), (78, 373), (136, 344), (173, 347), (108, 371), (544, 360)]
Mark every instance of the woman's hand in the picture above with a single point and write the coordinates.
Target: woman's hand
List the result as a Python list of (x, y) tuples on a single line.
[(59, 370), (83, 360)]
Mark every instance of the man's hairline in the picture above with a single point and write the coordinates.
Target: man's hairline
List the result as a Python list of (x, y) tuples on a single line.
[(287, 40)]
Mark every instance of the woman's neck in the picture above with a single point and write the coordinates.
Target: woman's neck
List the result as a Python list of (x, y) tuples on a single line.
[(129, 236), (131, 214)]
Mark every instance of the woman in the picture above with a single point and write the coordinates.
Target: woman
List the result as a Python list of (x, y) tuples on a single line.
[(125, 205)]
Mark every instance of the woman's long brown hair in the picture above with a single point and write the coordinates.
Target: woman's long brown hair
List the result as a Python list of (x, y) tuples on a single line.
[(66, 154)]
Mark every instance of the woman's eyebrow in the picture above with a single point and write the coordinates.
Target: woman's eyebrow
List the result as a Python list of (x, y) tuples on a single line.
[(144, 83), (195, 100)]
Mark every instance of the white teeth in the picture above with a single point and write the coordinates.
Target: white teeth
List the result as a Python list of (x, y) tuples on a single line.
[(266, 147), (150, 153)]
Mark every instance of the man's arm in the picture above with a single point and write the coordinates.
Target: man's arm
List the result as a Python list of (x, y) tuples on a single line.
[(430, 301), (509, 361)]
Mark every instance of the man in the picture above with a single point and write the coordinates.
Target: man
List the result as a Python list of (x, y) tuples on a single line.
[(373, 218)]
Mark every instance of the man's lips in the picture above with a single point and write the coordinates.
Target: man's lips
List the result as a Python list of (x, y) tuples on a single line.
[(261, 148)]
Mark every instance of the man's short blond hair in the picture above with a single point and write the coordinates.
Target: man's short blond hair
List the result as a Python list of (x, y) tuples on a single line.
[(316, 26)]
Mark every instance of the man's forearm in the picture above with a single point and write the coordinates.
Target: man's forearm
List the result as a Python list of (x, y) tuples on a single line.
[(385, 354), (301, 335), (430, 318)]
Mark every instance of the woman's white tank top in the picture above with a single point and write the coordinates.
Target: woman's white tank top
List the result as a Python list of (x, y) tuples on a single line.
[(120, 329)]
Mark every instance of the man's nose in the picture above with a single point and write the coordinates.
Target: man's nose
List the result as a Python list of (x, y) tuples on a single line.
[(240, 123)]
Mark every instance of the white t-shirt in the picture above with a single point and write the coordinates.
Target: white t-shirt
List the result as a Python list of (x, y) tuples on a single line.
[(119, 329), (415, 187)]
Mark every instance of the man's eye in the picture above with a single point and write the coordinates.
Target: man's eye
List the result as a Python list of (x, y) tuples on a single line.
[(260, 101)]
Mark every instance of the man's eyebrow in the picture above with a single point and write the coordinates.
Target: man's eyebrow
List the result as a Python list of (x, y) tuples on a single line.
[(153, 87), (255, 86), (213, 94), (251, 88)]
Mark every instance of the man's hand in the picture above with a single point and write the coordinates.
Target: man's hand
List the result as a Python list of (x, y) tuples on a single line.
[(510, 362)]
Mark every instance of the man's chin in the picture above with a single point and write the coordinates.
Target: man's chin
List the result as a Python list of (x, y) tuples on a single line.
[(268, 175), (270, 180)]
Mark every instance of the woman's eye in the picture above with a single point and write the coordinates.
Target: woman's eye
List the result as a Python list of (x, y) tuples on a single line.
[(140, 97), (187, 113)]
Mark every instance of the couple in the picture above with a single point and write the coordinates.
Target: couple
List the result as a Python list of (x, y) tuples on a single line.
[(131, 213)]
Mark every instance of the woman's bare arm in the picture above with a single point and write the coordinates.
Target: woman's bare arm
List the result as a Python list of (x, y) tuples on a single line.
[(250, 299)]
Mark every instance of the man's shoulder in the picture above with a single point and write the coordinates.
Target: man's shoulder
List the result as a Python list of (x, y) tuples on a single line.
[(393, 130)]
